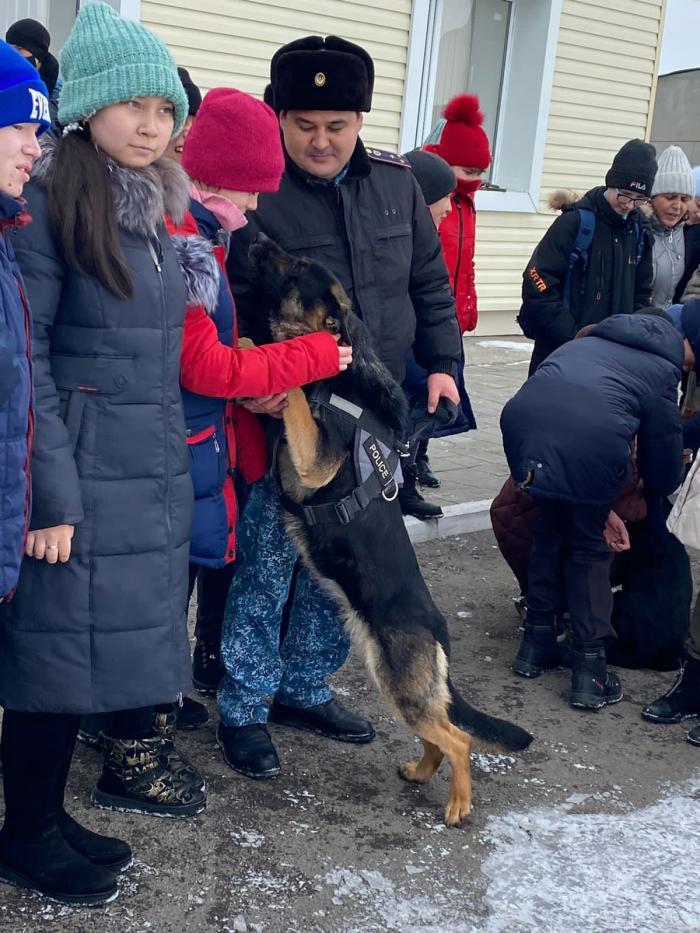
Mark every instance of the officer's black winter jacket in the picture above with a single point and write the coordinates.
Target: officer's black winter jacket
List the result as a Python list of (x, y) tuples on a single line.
[(612, 283), (567, 433), (374, 232)]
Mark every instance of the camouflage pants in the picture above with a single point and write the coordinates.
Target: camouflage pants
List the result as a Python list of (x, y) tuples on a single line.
[(259, 662)]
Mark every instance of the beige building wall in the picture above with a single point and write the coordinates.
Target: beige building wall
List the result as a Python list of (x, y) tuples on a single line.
[(602, 94), (231, 42)]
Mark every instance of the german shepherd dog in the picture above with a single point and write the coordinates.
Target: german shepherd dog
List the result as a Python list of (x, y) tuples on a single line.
[(368, 565)]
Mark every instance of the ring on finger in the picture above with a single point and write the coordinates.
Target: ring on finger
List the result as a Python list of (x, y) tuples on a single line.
[(51, 547)]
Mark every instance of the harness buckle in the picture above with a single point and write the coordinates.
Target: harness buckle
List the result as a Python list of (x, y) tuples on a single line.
[(341, 510), (390, 498)]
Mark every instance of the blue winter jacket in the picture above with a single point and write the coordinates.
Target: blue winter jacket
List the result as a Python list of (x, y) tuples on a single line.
[(567, 433), (206, 435), (15, 404)]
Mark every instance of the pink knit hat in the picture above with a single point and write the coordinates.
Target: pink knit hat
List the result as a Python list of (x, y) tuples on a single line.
[(234, 143)]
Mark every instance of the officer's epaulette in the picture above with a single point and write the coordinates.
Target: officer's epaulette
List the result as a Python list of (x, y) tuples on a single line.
[(383, 155)]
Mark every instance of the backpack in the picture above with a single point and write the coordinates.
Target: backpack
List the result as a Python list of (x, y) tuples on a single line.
[(579, 254)]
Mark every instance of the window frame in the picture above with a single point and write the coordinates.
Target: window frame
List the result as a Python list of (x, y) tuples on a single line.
[(543, 25)]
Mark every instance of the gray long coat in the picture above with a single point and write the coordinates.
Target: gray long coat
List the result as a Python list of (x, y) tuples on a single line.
[(106, 630)]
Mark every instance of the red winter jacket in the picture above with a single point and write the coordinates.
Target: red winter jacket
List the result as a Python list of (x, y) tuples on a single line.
[(457, 234), (210, 368)]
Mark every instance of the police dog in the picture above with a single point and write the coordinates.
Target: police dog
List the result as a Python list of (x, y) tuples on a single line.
[(367, 564)]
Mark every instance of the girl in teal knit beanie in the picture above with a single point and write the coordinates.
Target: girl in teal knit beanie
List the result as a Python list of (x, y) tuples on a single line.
[(97, 623)]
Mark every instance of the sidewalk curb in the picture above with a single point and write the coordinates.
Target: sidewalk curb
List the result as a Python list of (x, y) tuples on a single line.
[(458, 519)]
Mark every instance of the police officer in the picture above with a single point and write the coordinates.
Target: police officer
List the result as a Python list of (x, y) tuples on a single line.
[(360, 212)]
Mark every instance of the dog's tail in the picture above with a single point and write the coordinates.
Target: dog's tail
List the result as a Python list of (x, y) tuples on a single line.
[(487, 729)]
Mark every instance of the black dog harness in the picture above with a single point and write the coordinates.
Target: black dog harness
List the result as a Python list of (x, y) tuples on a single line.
[(377, 462)]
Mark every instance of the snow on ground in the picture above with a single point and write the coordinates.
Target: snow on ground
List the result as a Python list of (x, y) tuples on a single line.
[(506, 345), (552, 869)]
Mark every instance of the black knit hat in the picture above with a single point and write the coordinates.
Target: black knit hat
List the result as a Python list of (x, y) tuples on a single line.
[(633, 168), (314, 73), (435, 176), (194, 95), (30, 35)]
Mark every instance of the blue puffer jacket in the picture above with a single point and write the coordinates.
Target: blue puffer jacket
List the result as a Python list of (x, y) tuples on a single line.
[(15, 404), (205, 419), (568, 431)]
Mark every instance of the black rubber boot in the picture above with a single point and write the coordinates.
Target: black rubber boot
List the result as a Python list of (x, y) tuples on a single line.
[(50, 866), (100, 850), (411, 501), (207, 669), (592, 684), (539, 651), (249, 750), (328, 719), (682, 701), (136, 779), (426, 477), (191, 715)]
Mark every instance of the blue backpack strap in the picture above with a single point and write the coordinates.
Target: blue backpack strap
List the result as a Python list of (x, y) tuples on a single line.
[(581, 247)]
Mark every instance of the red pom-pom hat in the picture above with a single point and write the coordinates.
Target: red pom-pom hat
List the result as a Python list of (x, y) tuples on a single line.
[(463, 141)]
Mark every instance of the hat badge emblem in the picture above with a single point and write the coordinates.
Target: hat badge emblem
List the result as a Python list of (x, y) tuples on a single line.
[(319, 79)]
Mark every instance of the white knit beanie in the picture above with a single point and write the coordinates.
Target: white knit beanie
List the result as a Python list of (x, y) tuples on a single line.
[(674, 175)]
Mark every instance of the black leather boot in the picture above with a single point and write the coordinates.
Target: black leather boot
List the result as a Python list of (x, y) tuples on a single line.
[(540, 651), (249, 750), (329, 719), (592, 684), (207, 669), (682, 701), (426, 477), (48, 865), (100, 850), (411, 501)]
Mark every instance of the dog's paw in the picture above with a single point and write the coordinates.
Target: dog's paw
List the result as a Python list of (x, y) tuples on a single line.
[(456, 810), (407, 771)]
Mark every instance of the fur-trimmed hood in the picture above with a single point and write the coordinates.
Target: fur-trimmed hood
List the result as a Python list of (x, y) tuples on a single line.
[(141, 196)]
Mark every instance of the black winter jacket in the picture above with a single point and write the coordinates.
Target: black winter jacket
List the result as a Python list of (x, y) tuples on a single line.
[(374, 232), (567, 433), (106, 630), (612, 283)]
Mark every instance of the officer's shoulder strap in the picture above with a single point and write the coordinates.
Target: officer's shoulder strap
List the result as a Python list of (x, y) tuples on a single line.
[(392, 158)]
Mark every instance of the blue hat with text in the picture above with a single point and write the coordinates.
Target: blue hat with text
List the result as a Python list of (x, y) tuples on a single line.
[(23, 95)]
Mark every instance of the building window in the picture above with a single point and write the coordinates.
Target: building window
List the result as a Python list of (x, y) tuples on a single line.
[(503, 51)]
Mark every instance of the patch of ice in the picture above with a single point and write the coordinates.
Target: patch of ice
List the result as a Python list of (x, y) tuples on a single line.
[(492, 763), (506, 345), (247, 838), (556, 870)]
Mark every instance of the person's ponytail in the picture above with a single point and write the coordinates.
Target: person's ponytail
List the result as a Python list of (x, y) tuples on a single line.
[(82, 213)]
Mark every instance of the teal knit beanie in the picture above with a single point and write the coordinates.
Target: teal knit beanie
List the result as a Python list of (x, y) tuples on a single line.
[(108, 59)]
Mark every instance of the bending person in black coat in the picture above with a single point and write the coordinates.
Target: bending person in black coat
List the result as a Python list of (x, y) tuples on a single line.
[(564, 290), (567, 436)]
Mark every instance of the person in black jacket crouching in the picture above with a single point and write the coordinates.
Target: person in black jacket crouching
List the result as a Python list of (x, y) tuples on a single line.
[(567, 435), (571, 280)]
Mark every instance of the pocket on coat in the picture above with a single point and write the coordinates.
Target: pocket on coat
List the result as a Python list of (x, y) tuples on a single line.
[(73, 414), (207, 461), (393, 249)]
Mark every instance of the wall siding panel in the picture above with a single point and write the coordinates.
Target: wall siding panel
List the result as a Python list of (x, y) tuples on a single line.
[(231, 42)]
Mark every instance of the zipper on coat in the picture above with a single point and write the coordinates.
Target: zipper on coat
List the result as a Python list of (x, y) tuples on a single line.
[(460, 234)]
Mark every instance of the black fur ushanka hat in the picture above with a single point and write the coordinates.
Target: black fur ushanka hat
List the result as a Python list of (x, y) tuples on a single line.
[(314, 73)]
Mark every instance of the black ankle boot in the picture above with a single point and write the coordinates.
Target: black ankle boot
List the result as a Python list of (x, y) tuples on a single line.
[(100, 850), (411, 501), (207, 669), (249, 750), (328, 719), (50, 866), (426, 477), (682, 701), (592, 684), (540, 651)]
